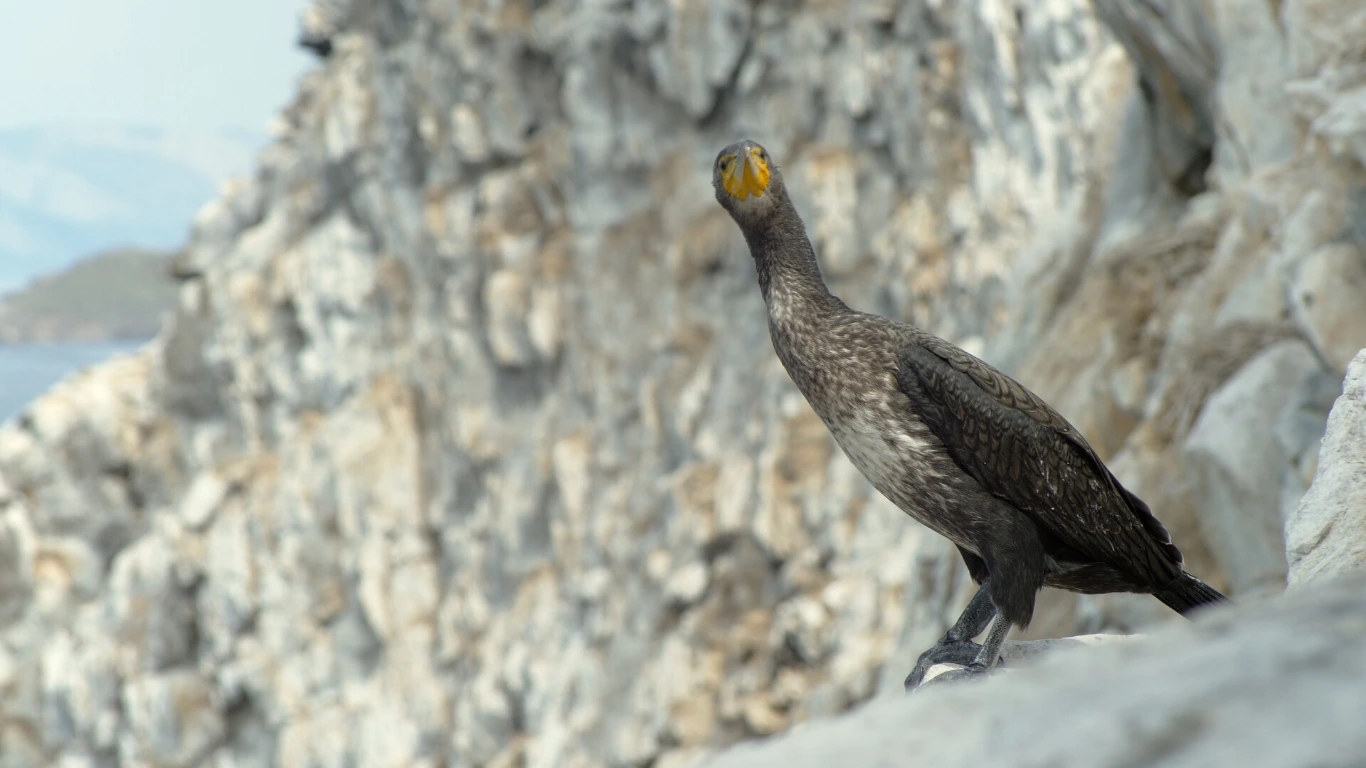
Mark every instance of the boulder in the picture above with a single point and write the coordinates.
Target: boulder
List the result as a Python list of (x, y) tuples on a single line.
[(1241, 454), (1327, 532)]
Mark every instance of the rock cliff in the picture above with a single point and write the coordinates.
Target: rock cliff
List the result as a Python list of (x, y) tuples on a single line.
[(466, 446)]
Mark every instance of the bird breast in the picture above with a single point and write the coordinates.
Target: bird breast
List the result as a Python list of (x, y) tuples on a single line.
[(901, 459), (885, 443), (873, 423)]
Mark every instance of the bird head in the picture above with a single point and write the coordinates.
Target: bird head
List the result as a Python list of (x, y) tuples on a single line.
[(748, 183)]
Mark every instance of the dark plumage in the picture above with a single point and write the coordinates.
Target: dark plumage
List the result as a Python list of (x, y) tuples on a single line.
[(959, 446), (316, 42)]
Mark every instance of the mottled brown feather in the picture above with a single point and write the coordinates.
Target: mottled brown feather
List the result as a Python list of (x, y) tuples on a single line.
[(1023, 451)]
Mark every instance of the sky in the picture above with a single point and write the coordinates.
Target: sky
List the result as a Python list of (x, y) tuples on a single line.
[(175, 64)]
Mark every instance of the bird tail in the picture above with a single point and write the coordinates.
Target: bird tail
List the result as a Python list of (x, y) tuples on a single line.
[(1188, 593)]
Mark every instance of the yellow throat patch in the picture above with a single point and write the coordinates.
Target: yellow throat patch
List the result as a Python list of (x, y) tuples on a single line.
[(744, 175)]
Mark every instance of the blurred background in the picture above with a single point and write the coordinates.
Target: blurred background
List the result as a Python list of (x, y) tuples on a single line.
[(121, 119), (442, 426)]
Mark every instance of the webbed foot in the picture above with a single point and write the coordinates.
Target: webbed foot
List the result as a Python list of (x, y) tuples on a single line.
[(961, 652), (971, 670), (955, 651)]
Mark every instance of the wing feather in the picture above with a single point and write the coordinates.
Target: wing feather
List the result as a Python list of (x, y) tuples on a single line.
[(1022, 450)]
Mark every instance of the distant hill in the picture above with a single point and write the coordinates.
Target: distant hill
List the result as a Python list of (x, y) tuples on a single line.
[(66, 192), (116, 295)]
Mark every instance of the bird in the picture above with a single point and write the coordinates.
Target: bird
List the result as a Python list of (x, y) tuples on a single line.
[(957, 445)]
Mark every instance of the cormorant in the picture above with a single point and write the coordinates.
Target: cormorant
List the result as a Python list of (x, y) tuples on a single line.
[(956, 444)]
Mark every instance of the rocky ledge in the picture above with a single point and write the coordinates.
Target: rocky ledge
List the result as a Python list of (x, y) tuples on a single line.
[(1268, 684)]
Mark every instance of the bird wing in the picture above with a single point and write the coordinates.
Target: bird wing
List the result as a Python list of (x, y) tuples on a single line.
[(1023, 451)]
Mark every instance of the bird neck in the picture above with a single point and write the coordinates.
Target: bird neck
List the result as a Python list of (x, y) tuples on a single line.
[(786, 262)]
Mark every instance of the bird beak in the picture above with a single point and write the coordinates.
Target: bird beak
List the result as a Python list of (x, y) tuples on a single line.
[(748, 176)]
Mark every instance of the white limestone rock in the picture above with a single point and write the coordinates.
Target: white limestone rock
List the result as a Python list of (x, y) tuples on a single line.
[(1327, 533), (1025, 653), (1261, 685), (1242, 469), (1328, 299), (466, 442)]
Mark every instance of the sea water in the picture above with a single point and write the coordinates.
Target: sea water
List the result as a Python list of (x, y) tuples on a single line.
[(28, 370)]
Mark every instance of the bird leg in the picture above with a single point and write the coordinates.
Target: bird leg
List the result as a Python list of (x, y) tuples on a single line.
[(956, 646), (990, 654)]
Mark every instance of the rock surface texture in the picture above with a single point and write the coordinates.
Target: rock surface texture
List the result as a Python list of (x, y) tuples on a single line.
[(1261, 686), (466, 445), (1328, 532)]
